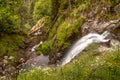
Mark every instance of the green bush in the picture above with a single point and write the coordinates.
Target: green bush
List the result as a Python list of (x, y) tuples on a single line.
[(42, 8), (45, 48), (9, 19)]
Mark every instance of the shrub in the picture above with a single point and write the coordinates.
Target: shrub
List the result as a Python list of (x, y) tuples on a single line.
[(42, 8), (45, 48), (9, 19)]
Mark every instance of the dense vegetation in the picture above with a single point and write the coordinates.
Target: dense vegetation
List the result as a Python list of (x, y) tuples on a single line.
[(62, 22), (89, 65), (9, 18)]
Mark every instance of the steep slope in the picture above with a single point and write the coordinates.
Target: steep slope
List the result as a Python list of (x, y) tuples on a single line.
[(72, 20), (68, 21)]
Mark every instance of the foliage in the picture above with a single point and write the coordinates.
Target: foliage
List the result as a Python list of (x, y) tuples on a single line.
[(65, 30), (45, 48), (42, 8), (10, 44), (30, 10), (90, 65), (63, 20), (55, 26), (9, 19)]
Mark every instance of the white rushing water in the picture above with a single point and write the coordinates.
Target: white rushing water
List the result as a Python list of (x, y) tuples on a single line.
[(82, 43)]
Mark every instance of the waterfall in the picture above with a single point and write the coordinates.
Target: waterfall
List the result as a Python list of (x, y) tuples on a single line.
[(82, 43)]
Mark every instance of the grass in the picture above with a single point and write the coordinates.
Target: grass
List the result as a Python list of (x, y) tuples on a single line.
[(90, 65)]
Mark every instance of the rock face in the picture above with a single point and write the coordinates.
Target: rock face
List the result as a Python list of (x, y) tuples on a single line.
[(104, 18), (99, 27)]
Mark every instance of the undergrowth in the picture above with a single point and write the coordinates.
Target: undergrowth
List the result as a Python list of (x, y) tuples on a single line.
[(89, 65), (9, 44)]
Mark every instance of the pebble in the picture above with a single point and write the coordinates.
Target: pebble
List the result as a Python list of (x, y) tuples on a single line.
[(5, 61)]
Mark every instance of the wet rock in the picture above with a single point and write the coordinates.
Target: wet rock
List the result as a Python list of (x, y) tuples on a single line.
[(38, 61)]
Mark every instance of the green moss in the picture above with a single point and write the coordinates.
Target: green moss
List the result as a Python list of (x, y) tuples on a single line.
[(9, 44), (65, 30), (71, 25), (55, 26)]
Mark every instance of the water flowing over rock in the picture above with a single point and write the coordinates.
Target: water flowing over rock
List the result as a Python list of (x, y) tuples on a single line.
[(82, 43)]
